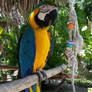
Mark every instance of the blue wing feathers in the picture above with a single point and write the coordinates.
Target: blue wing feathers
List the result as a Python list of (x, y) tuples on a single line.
[(52, 41), (27, 52)]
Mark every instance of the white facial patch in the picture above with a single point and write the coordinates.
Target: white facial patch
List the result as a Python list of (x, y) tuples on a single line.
[(44, 10), (41, 16)]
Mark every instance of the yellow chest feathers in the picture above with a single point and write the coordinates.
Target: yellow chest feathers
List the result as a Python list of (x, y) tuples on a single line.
[(42, 48), (42, 42)]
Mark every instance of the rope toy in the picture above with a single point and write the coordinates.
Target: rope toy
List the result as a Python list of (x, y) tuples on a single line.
[(75, 42), (72, 58)]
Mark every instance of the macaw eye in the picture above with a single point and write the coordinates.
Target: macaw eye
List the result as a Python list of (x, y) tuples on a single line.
[(41, 7)]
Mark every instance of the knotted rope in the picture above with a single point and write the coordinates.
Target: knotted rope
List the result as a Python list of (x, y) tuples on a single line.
[(75, 42)]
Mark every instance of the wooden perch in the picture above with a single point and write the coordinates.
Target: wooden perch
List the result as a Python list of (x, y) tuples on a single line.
[(21, 84), (4, 67), (63, 75)]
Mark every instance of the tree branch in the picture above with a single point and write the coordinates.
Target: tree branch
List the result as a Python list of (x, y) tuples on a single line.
[(4, 67), (21, 84)]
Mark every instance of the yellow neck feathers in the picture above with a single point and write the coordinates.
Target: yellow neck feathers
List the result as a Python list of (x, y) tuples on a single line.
[(33, 23), (42, 42)]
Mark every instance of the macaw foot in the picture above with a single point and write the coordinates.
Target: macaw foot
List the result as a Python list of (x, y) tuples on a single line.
[(42, 75)]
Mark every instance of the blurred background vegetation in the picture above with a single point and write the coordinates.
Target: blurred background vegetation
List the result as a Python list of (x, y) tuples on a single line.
[(14, 21)]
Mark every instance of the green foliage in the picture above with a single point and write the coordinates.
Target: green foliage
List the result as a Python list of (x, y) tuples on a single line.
[(88, 9), (86, 34), (9, 55), (9, 39), (60, 38), (51, 2), (87, 48), (3, 19)]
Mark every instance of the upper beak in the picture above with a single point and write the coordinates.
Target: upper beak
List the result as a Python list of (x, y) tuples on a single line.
[(53, 15)]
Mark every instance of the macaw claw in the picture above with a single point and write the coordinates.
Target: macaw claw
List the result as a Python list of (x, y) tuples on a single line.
[(42, 75)]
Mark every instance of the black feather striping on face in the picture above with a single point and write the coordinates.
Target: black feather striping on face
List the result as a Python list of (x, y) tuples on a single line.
[(41, 23), (50, 19)]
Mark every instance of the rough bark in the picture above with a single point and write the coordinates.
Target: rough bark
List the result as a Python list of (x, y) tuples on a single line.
[(3, 67), (21, 84)]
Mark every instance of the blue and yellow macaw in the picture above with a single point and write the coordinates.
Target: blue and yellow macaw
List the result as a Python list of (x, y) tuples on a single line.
[(35, 43)]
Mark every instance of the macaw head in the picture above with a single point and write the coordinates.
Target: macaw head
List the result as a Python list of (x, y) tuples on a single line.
[(44, 15)]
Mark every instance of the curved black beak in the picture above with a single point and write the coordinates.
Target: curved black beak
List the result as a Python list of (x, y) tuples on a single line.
[(53, 16)]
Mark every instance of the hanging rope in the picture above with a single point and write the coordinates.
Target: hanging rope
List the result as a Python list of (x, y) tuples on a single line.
[(75, 42)]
